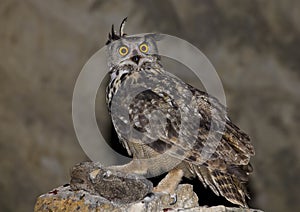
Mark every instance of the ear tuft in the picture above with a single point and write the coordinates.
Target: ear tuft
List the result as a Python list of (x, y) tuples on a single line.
[(113, 35)]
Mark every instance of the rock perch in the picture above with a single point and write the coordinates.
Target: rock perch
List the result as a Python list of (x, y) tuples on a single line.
[(95, 188)]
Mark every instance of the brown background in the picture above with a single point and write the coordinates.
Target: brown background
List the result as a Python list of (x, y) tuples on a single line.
[(253, 44)]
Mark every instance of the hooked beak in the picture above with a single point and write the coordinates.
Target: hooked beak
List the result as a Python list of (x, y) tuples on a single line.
[(136, 59)]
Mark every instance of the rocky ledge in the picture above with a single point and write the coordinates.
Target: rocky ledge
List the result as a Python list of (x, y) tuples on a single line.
[(95, 188)]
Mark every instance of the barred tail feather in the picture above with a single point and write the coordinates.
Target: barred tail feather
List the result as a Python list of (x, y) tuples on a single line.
[(226, 185)]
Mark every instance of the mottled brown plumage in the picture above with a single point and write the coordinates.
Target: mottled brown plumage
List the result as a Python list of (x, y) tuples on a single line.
[(165, 123)]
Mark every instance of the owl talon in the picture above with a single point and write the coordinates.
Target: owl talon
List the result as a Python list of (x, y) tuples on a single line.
[(174, 198), (149, 197), (107, 173)]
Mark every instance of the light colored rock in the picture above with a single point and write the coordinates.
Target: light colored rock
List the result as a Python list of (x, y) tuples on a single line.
[(64, 198)]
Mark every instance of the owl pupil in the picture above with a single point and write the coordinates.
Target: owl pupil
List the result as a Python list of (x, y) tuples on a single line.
[(143, 48), (123, 51)]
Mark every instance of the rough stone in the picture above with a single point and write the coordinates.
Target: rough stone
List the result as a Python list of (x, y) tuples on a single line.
[(64, 198), (96, 188), (115, 186)]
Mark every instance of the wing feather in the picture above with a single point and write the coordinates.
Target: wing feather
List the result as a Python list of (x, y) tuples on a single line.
[(233, 148)]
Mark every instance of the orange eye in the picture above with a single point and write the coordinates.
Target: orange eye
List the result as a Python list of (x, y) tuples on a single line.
[(144, 48), (123, 50)]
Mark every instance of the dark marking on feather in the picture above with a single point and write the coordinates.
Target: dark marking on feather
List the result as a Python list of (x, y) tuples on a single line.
[(160, 146)]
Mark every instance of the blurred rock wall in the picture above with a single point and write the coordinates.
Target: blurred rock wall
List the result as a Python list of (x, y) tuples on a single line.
[(253, 44)]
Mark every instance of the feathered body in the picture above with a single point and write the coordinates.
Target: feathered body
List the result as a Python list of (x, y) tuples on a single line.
[(156, 114)]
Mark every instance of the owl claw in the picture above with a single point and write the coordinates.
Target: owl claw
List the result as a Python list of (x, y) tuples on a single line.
[(149, 197), (174, 198), (107, 173)]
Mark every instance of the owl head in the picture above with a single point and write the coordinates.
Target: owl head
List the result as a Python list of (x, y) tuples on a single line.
[(132, 50)]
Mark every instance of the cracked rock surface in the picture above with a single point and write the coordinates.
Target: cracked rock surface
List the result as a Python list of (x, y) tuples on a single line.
[(64, 198), (95, 188)]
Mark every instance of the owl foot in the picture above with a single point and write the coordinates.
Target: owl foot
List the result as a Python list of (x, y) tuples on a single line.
[(172, 195), (169, 184), (149, 197), (133, 167)]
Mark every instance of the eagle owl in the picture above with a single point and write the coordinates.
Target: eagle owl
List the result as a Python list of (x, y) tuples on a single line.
[(153, 111)]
